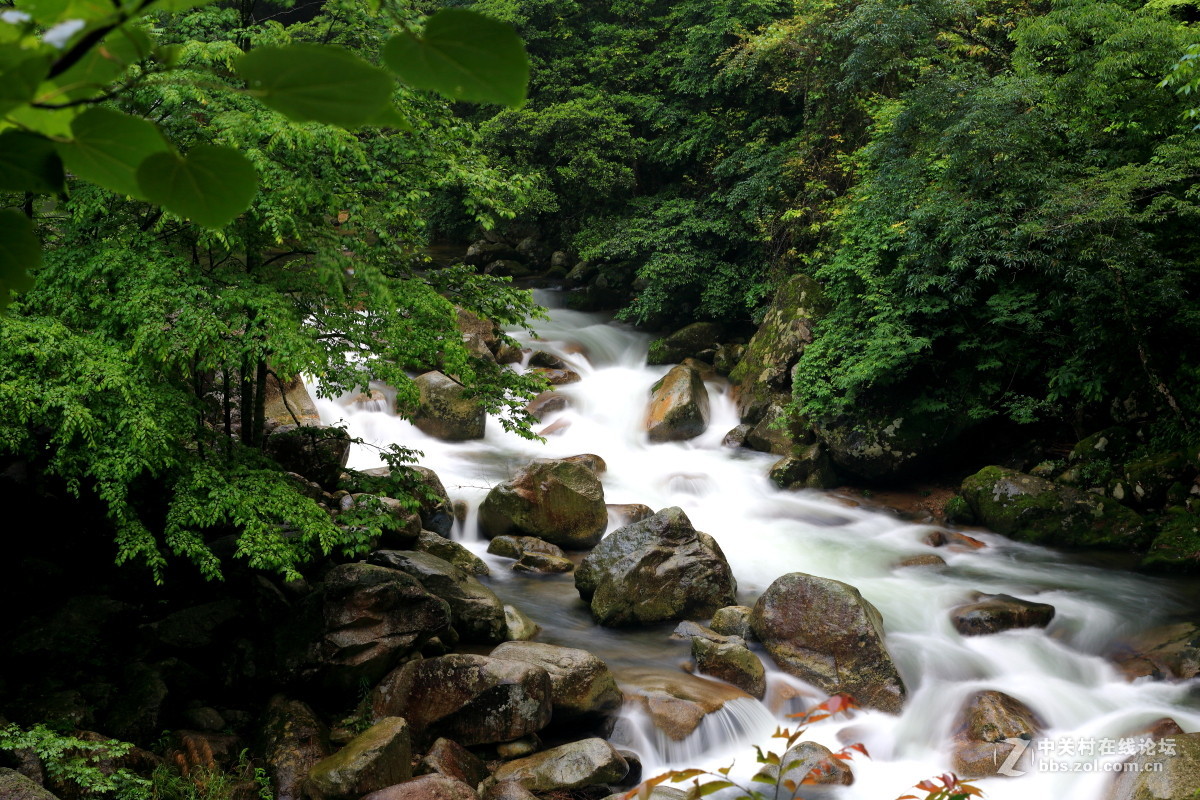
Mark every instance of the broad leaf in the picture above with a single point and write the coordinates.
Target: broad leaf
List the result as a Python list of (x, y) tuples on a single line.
[(211, 186), (107, 148), (20, 251), (105, 63), (465, 56), (318, 83), (29, 163), (19, 81)]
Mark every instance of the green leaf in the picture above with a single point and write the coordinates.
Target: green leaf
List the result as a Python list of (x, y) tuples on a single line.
[(389, 117), (105, 63), (108, 147), (29, 163), (465, 56), (211, 186), (175, 6), (318, 83), (20, 251), (19, 81)]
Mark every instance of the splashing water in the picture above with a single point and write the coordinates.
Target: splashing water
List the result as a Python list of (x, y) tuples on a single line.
[(1060, 673)]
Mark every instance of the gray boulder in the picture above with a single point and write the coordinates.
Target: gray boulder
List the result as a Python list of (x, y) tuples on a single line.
[(559, 501), (591, 762), (476, 612), (581, 684), (984, 723), (992, 613)]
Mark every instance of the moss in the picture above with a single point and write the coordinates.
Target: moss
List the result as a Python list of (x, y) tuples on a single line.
[(1176, 548), (1036, 510), (959, 511)]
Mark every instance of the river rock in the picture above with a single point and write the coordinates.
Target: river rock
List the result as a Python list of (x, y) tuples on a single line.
[(732, 663), (924, 560), (435, 508), (561, 502), (628, 513), (371, 618), (1178, 779), (526, 745), (543, 564), (733, 621), (15, 786), (426, 787), (679, 407), (590, 762), (985, 720), (317, 452), (484, 252), (1176, 545), (449, 758), (655, 570), (1041, 511), (590, 460), (520, 627), (737, 435), (507, 790), (478, 334), (476, 612), (808, 467), (581, 684), (379, 757), (810, 763), (556, 377), (470, 699), (289, 403), (540, 358), (824, 632), (294, 740), (779, 432), (675, 701), (992, 613), (546, 404), (517, 546), (446, 411), (451, 551), (690, 340), (1170, 652)]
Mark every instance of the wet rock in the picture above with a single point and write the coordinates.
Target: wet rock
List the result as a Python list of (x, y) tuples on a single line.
[(435, 509), (984, 722), (824, 632), (294, 741), (470, 699), (484, 252), (371, 618), (1170, 652), (561, 502), (810, 763), (449, 758), (451, 551), (556, 377), (446, 411), (732, 663), (590, 762), (727, 356), (779, 432), (676, 702), (520, 627), (992, 613), (1040, 511), (581, 684), (733, 621), (926, 560), (953, 540), (590, 460), (509, 354), (526, 745), (15, 786), (1148, 480), (808, 468), (316, 452), (766, 365), (737, 435), (1176, 546), (377, 758), (679, 407), (1178, 779), (517, 546), (628, 513), (476, 612), (691, 340), (507, 790), (546, 404), (691, 630), (655, 570), (543, 564), (478, 334), (541, 358), (426, 787)]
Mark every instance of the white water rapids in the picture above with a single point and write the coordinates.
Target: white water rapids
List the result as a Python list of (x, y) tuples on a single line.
[(1059, 673)]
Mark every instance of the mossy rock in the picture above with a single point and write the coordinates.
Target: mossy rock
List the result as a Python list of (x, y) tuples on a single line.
[(880, 444), (1149, 480), (1176, 548), (687, 341), (1040, 511)]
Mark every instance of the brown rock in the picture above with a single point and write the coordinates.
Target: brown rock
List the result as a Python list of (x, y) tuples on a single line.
[(295, 740), (581, 684), (590, 762), (545, 404), (377, 758), (992, 613), (629, 513), (984, 722), (675, 701), (426, 787), (679, 407), (556, 377), (926, 560), (449, 758)]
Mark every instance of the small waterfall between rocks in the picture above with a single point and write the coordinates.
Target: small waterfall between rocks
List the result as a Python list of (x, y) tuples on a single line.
[(1060, 672)]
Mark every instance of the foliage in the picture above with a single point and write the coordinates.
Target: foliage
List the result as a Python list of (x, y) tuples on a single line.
[(951, 788), (1184, 78), (83, 763), (194, 775)]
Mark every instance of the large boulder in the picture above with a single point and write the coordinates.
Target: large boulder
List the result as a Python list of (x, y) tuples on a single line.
[(590, 762), (779, 432), (1037, 510), (1172, 773), (690, 340), (15, 786), (808, 467), (559, 501), (475, 611), (315, 452), (377, 758), (449, 758), (824, 632), (881, 443), (765, 368), (446, 411), (992, 613), (294, 740), (370, 618), (470, 699), (678, 406), (656, 570), (1170, 652), (675, 701), (435, 509), (478, 334), (449, 550), (288, 403), (426, 787), (1176, 545), (582, 686), (731, 662), (984, 724)]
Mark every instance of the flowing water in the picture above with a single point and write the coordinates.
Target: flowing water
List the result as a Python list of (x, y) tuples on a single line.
[(1060, 672)]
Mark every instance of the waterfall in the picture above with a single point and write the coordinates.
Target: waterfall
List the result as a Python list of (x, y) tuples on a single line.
[(1059, 672)]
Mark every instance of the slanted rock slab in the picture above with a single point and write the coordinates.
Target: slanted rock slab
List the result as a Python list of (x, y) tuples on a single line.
[(590, 762), (679, 407), (559, 501), (379, 757)]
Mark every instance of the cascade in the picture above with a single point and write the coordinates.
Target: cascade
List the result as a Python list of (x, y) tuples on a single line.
[(1059, 672)]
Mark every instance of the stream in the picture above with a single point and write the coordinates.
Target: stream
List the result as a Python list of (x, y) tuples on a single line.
[(1058, 672)]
